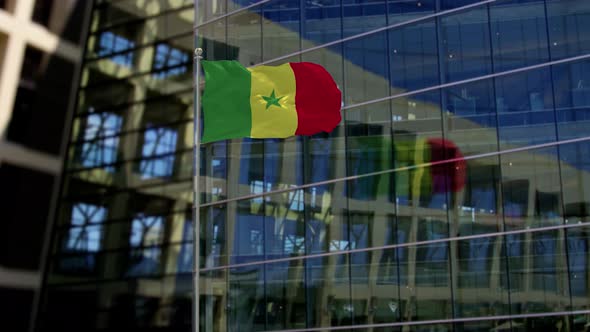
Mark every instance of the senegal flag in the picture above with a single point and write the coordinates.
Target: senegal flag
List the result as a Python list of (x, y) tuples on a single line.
[(268, 101)]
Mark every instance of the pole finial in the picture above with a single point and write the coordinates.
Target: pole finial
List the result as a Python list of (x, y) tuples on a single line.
[(198, 53)]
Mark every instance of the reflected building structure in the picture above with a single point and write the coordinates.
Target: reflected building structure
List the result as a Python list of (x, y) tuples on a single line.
[(496, 239)]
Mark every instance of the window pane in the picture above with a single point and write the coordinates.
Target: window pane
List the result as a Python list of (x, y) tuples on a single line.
[(568, 21), (531, 189), (244, 33), (361, 16), (465, 49), (158, 146), (366, 69), (280, 28), (321, 23), (519, 34), (525, 109), (572, 98), (413, 57)]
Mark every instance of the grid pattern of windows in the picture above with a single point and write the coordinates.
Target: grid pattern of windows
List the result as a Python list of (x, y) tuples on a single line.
[(452, 197)]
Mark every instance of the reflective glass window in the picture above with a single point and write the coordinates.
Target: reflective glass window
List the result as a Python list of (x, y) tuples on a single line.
[(169, 61), (146, 235), (158, 146), (465, 45), (518, 34), (100, 143), (85, 233), (84, 237), (568, 23), (111, 43)]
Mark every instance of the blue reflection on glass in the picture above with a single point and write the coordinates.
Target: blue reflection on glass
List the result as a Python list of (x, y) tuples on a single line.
[(519, 34), (569, 23), (403, 10), (147, 233), (544, 269), (86, 231), (465, 45), (84, 237), (158, 152), (361, 16), (112, 43), (169, 61), (525, 108), (476, 254), (572, 98), (185, 256), (577, 245), (413, 57), (321, 23), (100, 146)]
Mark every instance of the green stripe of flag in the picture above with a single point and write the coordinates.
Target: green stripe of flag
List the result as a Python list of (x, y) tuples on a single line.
[(226, 117)]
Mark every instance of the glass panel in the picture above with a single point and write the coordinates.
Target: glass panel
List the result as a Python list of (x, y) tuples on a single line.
[(98, 150), (366, 69), (519, 34), (404, 10), (578, 255), (214, 41), (470, 117), (158, 142), (110, 42), (246, 302), (416, 131), (451, 4), (209, 9), (537, 272), (169, 61), (427, 294), (575, 163), (285, 295), (465, 45), (531, 189), (369, 149), (478, 268), (215, 168), (280, 28), (214, 301), (321, 23), (480, 211), (413, 56), (362, 16), (84, 237), (525, 109), (568, 20), (572, 98), (244, 33), (328, 291)]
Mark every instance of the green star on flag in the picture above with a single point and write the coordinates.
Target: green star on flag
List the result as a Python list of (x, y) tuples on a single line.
[(272, 100)]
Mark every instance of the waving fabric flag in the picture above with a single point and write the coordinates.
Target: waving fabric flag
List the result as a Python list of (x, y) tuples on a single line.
[(268, 101)]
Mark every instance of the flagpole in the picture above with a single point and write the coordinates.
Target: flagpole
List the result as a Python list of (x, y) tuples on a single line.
[(196, 191)]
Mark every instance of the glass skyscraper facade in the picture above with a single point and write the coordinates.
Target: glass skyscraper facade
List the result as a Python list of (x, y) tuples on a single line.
[(453, 196)]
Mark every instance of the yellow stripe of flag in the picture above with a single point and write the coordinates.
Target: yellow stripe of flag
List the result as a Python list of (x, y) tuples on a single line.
[(272, 101)]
